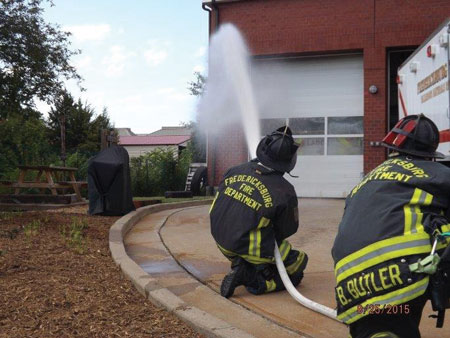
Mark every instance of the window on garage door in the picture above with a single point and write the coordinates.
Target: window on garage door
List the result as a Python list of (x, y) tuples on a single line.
[(331, 135), (345, 135)]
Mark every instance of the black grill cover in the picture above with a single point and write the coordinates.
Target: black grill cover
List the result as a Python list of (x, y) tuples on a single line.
[(109, 183)]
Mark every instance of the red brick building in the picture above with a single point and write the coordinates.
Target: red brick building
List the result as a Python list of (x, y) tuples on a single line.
[(373, 37)]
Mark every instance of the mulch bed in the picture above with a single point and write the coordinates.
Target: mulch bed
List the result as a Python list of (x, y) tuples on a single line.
[(57, 279)]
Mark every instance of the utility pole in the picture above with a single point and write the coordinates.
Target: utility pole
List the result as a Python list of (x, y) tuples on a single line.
[(62, 124), (108, 138)]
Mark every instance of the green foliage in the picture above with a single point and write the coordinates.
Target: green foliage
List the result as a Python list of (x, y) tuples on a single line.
[(23, 141), (32, 228), (74, 234), (154, 173), (197, 144), (34, 62), (34, 57), (82, 125), (198, 139), (8, 215), (197, 87), (80, 161)]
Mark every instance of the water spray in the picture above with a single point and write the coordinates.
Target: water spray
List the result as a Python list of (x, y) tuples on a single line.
[(229, 99)]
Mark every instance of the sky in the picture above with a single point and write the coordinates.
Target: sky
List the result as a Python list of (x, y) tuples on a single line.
[(137, 57)]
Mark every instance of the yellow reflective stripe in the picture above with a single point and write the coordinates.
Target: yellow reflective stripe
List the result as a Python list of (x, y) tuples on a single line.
[(270, 285), (409, 211), (254, 246), (443, 245), (384, 334), (251, 243), (445, 228), (257, 260), (258, 243), (285, 247), (428, 199), (392, 298), (294, 266), (214, 201), (381, 251), (413, 213), (229, 254), (263, 222), (248, 258)]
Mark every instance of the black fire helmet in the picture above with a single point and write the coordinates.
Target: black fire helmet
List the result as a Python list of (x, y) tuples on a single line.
[(415, 135), (278, 150)]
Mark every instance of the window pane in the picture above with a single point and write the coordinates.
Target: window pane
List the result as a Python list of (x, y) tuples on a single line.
[(345, 125), (269, 125), (310, 146), (307, 126), (345, 146)]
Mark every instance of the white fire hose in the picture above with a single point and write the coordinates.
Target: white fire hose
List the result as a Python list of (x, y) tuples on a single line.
[(325, 310)]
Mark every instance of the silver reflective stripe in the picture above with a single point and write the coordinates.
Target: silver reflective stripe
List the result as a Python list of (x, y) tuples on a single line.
[(381, 251), (255, 242)]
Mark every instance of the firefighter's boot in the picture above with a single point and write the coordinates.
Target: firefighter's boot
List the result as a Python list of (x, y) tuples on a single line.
[(234, 278)]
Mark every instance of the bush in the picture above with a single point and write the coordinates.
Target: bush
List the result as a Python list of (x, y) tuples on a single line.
[(80, 161), (154, 173)]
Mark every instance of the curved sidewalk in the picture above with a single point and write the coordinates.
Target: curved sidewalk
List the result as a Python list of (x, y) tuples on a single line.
[(177, 265)]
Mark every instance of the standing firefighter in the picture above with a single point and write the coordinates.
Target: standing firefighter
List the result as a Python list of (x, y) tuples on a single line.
[(254, 206), (382, 253)]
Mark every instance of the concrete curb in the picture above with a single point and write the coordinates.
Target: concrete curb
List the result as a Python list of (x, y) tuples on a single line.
[(148, 286)]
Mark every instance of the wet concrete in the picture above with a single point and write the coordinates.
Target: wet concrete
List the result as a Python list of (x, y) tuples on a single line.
[(186, 236)]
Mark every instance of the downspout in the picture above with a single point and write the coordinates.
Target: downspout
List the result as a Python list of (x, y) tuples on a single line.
[(209, 143)]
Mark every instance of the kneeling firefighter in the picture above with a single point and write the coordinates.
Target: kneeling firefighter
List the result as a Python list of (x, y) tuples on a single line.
[(391, 250), (254, 206)]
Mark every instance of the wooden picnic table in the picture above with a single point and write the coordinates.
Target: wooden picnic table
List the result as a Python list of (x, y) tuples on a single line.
[(47, 177)]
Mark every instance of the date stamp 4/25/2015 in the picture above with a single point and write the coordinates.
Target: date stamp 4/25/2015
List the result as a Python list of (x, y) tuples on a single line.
[(377, 309)]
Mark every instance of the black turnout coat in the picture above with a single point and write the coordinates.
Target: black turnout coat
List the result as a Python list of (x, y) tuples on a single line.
[(253, 207), (382, 231)]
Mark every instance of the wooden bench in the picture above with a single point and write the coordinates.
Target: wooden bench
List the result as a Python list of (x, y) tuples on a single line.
[(53, 180)]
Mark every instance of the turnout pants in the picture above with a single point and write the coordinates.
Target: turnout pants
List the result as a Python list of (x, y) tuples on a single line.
[(261, 275), (391, 325)]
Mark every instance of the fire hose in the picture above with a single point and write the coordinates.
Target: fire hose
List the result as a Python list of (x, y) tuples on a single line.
[(310, 304)]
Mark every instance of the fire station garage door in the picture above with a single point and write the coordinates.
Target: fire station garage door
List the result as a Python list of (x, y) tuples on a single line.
[(322, 100)]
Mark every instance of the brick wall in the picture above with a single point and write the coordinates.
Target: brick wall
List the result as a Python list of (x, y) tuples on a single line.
[(308, 27)]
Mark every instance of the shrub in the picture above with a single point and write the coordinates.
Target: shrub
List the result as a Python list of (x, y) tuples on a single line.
[(74, 234), (154, 173)]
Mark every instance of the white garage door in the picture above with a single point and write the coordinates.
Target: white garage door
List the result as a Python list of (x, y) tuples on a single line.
[(322, 100)]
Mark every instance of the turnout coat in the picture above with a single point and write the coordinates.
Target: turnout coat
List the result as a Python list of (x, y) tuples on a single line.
[(382, 232), (253, 207)]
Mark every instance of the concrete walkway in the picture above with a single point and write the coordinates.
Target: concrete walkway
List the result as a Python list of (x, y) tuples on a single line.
[(184, 260)]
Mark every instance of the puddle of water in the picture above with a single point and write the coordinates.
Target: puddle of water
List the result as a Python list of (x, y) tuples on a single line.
[(159, 267), (204, 270)]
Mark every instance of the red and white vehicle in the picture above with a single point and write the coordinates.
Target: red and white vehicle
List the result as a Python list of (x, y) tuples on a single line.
[(423, 83)]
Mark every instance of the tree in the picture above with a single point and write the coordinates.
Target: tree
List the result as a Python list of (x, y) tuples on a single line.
[(34, 57), (197, 145), (23, 142), (197, 86), (82, 125), (198, 140)]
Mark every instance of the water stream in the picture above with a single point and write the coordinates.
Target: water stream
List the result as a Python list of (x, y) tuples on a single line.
[(229, 96)]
